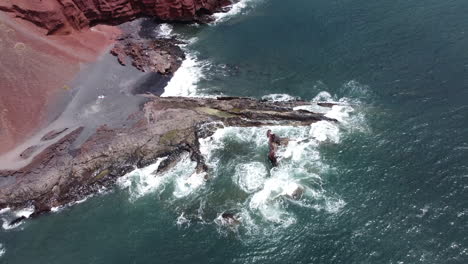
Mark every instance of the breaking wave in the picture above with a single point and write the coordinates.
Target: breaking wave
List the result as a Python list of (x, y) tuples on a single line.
[(182, 179), (192, 71), (279, 97), (186, 78), (298, 180), (9, 215), (142, 181), (237, 8)]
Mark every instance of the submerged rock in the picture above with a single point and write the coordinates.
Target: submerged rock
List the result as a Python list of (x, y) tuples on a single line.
[(229, 219)]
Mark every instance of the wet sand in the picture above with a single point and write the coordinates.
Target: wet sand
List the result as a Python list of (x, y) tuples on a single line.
[(36, 69)]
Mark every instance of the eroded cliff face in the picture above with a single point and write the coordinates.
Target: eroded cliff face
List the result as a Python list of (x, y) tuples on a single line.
[(64, 16)]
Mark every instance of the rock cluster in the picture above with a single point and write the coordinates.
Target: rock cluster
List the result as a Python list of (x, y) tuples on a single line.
[(64, 16)]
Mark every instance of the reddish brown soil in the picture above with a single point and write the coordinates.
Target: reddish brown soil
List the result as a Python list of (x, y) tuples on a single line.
[(34, 68)]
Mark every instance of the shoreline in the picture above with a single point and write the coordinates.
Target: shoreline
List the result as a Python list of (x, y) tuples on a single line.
[(88, 100), (165, 127), (81, 107)]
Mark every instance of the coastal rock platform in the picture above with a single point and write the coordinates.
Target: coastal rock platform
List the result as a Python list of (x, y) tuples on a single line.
[(164, 127)]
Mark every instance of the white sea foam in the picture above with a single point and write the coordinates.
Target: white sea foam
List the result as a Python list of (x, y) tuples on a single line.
[(236, 9), (185, 79), (25, 212), (209, 145), (279, 97), (269, 203), (142, 181), (323, 131), (6, 224), (182, 221), (187, 185), (2, 250), (250, 176), (185, 180), (8, 215), (164, 30)]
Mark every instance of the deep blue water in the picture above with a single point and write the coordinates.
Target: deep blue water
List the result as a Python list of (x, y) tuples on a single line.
[(394, 188)]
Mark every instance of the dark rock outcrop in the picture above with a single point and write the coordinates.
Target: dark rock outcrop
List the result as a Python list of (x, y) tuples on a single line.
[(165, 127), (150, 55), (64, 16)]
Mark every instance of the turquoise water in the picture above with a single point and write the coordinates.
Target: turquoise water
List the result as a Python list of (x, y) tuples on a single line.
[(388, 185)]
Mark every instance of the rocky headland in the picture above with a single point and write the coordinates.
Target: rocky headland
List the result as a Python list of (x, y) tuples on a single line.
[(73, 159), (165, 126)]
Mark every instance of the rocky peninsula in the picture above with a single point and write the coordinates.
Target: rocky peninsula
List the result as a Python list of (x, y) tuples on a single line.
[(71, 160)]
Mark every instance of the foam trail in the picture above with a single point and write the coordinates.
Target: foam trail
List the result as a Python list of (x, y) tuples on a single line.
[(57, 209), (181, 220), (6, 224), (2, 250)]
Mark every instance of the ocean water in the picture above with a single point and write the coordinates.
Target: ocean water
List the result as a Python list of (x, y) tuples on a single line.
[(388, 184)]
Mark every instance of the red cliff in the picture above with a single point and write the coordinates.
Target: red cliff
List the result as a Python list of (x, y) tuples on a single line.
[(64, 16)]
